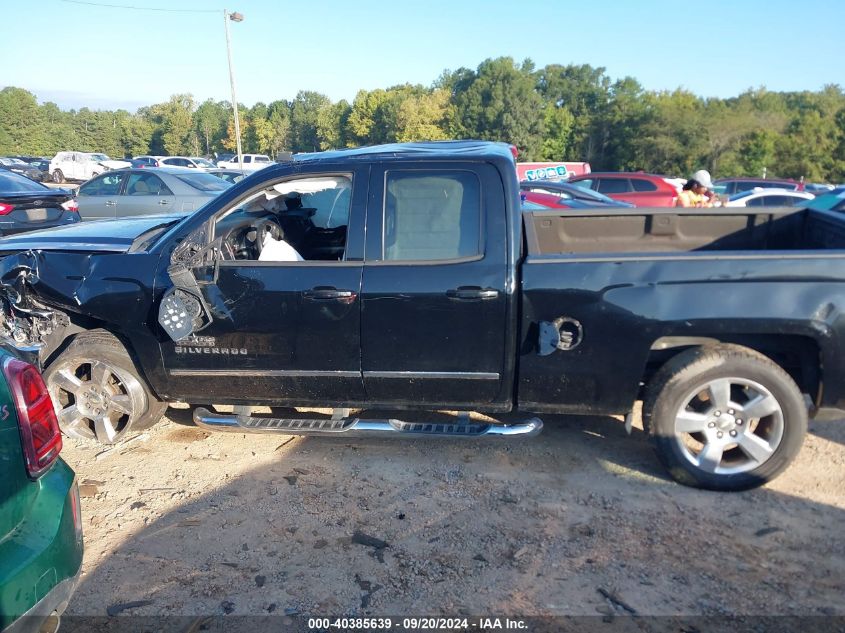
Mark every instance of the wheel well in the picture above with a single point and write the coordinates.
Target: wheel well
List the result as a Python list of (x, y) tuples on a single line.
[(799, 356), (79, 325)]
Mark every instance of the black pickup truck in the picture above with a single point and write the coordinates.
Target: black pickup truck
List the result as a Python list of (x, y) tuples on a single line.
[(419, 283)]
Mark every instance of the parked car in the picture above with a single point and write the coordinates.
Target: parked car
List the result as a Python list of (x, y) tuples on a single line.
[(17, 166), (538, 200), (41, 524), (422, 284), (82, 166), (26, 205), (229, 175), (189, 162), (833, 200), (637, 188), (818, 189), (147, 191), (146, 161), (251, 162), (582, 197), (737, 185), (769, 198)]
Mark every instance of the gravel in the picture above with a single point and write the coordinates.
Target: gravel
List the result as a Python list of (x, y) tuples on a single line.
[(578, 521)]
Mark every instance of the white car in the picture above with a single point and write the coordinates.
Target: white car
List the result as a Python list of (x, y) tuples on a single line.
[(759, 197), (82, 166), (189, 162), (251, 162)]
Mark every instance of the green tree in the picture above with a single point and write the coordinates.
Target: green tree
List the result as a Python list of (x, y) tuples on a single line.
[(304, 136), (500, 103), (177, 124)]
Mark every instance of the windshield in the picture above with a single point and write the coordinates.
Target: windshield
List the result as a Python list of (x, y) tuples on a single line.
[(201, 162), (11, 182), (98, 157), (12, 161), (205, 182)]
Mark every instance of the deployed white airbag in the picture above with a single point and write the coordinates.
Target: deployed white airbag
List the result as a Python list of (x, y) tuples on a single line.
[(278, 251)]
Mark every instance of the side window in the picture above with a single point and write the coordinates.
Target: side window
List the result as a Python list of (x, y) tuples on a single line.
[(588, 183), (105, 185), (247, 159), (146, 185), (431, 216), (306, 218), (640, 184), (613, 185), (745, 186)]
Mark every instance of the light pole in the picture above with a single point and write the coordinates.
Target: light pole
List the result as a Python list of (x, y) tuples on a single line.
[(234, 17)]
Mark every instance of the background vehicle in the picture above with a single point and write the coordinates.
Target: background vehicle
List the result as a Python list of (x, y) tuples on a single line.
[(229, 175), (585, 198), (146, 161), (26, 205), (637, 188), (186, 161), (769, 198), (251, 162), (832, 201), (17, 166), (422, 284), (736, 185), (40, 525), (82, 166), (147, 191)]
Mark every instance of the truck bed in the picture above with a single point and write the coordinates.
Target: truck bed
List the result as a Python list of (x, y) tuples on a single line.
[(638, 281), (662, 230)]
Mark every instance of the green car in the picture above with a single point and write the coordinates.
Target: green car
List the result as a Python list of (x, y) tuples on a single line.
[(40, 522)]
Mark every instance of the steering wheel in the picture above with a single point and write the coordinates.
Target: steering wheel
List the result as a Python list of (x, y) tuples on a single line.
[(261, 229)]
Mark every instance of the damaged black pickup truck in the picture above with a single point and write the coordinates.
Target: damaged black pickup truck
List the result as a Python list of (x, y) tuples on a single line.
[(408, 277)]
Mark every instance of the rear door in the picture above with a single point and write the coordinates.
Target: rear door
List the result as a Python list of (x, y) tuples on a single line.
[(434, 289), (145, 194)]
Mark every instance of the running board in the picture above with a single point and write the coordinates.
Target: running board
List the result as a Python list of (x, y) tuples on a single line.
[(359, 427)]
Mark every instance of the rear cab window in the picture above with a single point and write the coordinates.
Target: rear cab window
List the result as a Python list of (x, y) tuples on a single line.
[(431, 216)]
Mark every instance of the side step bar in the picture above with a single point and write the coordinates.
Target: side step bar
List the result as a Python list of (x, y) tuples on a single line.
[(359, 427)]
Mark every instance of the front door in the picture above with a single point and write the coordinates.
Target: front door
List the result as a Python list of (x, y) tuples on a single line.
[(99, 198), (434, 289), (283, 331)]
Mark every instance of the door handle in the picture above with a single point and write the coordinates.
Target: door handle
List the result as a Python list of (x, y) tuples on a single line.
[(163, 202), (324, 293), (471, 293), (111, 203)]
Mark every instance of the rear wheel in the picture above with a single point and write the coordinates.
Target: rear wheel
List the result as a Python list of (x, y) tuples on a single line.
[(98, 392), (725, 418), (58, 176)]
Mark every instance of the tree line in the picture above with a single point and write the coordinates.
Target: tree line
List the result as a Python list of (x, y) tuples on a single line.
[(555, 113)]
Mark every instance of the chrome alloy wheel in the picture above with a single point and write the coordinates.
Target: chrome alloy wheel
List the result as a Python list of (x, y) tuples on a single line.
[(95, 400), (729, 425)]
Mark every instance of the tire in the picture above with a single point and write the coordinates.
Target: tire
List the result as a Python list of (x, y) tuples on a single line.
[(724, 418), (58, 177), (98, 392)]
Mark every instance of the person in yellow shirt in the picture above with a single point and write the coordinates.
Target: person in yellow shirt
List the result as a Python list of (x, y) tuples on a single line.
[(695, 191)]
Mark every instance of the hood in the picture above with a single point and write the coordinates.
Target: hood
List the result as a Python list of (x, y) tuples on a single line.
[(115, 164), (110, 236)]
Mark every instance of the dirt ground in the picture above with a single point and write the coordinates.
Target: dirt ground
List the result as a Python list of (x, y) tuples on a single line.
[(578, 521)]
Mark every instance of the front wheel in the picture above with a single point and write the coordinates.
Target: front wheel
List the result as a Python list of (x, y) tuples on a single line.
[(724, 418), (98, 392)]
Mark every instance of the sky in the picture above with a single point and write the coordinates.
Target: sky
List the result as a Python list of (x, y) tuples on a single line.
[(79, 55)]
